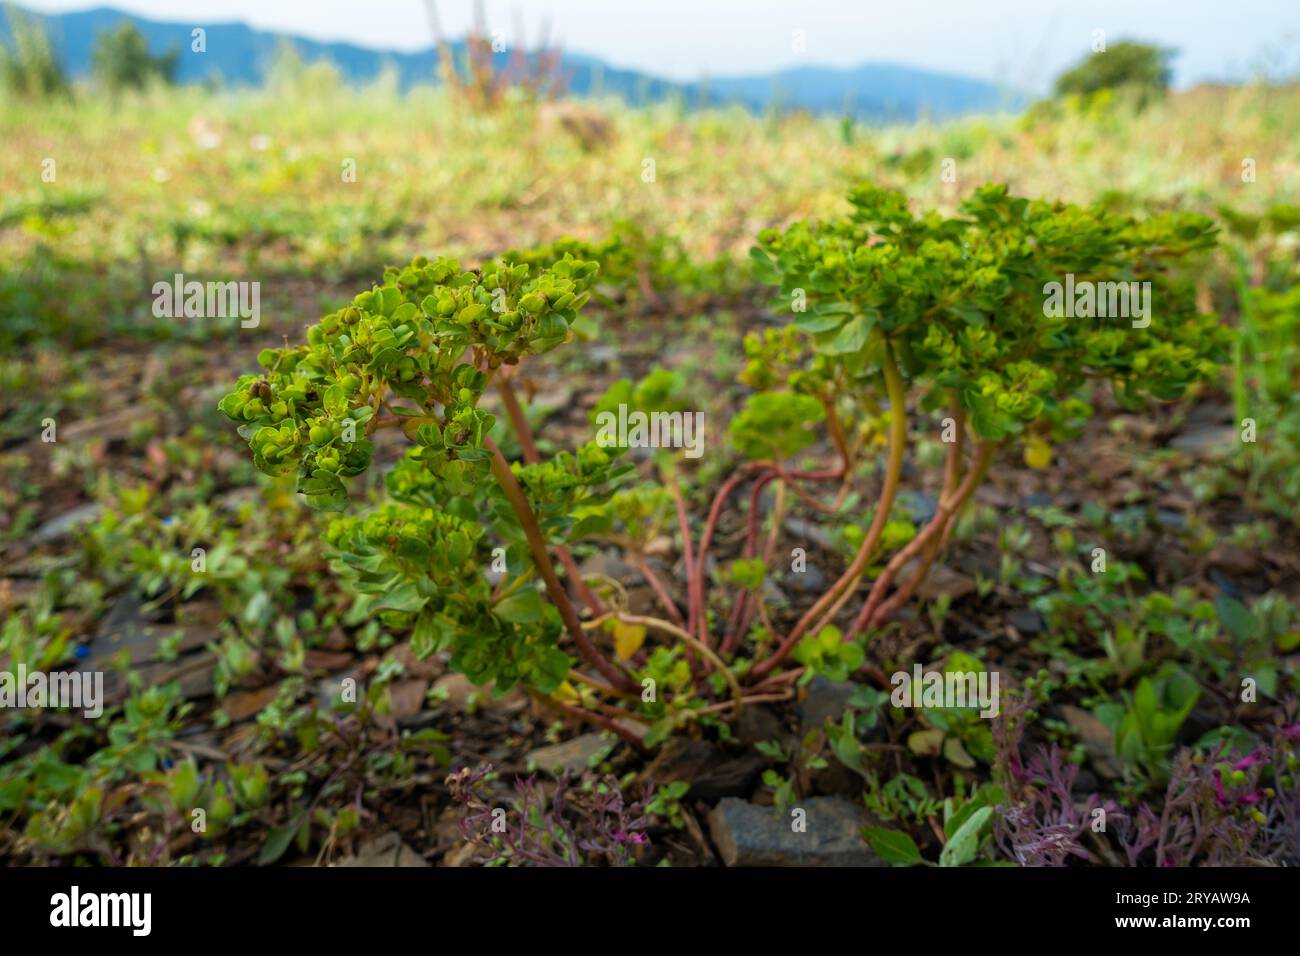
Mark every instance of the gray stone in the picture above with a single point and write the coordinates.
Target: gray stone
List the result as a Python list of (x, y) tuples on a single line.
[(575, 755), (807, 532), (749, 835), (1171, 519), (1025, 620), (66, 523), (921, 505), (825, 698), (1205, 439), (811, 580)]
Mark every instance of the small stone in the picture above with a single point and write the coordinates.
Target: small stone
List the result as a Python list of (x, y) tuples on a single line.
[(808, 533), (749, 835), (1096, 739), (1025, 620), (1205, 439), (921, 506), (825, 699), (1232, 559), (941, 580), (384, 851), (66, 523), (406, 697), (454, 691), (574, 755), (1171, 519), (811, 580), (758, 723)]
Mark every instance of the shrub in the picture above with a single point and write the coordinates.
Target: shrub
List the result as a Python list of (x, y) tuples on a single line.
[(1137, 67), (949, 309)]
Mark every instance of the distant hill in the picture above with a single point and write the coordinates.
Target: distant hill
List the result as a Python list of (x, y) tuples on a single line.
[(239, 55)]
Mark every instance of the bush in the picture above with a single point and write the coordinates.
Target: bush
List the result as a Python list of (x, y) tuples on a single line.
[(1136, 67)]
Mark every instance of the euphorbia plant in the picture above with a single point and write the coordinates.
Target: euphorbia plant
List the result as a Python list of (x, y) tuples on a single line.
[(948, 309), (955, 311)]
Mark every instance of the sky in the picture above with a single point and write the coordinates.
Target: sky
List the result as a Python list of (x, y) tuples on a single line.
[(1021, 43)]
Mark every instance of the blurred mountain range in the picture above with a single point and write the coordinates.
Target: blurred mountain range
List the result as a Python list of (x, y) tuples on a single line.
[(239, 55)]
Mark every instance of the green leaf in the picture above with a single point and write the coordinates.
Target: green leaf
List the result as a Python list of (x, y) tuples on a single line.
[(893, 846), (963, 846), (278, 840), (853, 336), (522, 607), (1236, 618), (323, 491), (405, 597)]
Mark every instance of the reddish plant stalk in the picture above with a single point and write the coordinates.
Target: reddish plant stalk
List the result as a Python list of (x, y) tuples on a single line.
[(706, 538), (688, 556), (661, 592), (893, 472), (730, 640), (874, 611), (527, 445), (537, 547)]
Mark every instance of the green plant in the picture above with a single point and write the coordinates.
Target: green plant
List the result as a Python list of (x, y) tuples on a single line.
[(1146, 726), (1126, 65), (950, 307), (667, 803), (960, 734), (957, 308), (967, 831)]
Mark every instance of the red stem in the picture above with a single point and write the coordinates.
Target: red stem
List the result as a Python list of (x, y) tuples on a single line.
[(519, 423), (537, 546)]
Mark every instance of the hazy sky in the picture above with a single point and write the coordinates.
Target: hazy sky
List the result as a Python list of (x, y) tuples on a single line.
[(1021, 42)]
